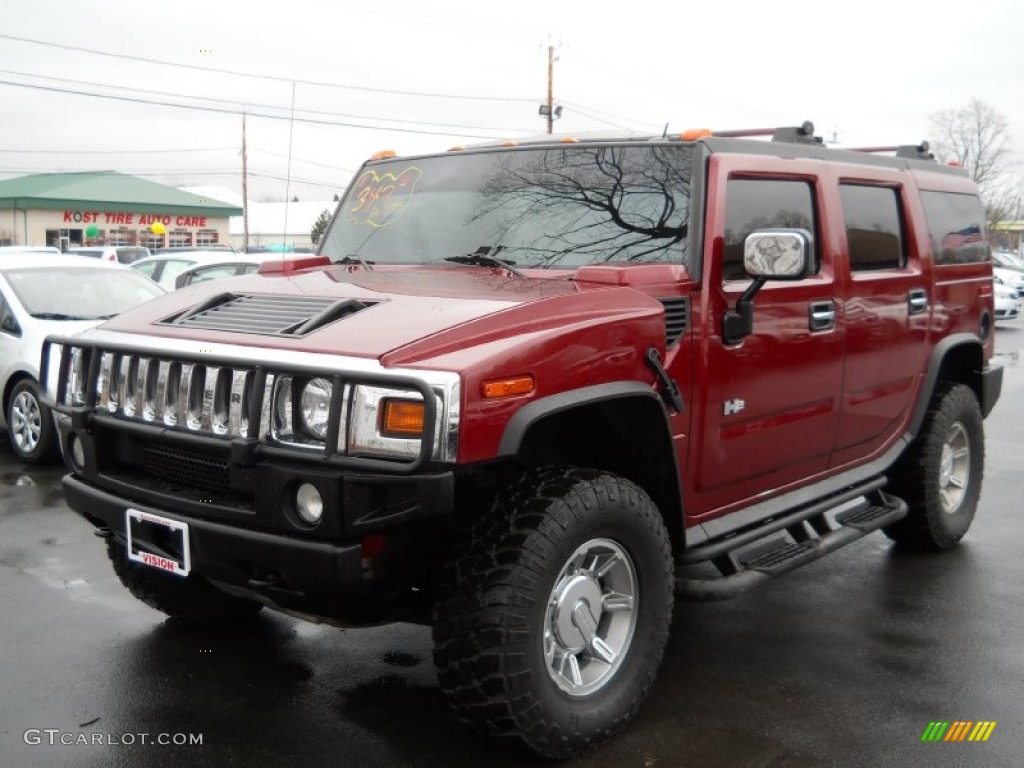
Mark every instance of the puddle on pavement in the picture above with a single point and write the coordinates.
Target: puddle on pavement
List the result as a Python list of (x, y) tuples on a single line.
[(17, 478)]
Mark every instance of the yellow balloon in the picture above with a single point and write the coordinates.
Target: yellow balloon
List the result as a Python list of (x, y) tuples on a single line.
[(157, 228)]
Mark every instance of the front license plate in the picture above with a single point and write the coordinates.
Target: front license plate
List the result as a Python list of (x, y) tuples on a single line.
[(158, 542)]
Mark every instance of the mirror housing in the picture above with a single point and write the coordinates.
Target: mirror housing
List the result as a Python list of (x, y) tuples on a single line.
[(768, 254), (778, 254)]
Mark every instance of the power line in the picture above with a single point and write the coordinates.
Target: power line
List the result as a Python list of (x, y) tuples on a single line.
[(246, 105), (162, 151), (275, 78), (223, 111)]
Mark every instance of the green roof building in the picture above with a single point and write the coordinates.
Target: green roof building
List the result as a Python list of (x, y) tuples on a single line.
[(108, 208)]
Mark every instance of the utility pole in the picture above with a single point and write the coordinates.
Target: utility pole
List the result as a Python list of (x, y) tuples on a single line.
[(551, 88), (548, 109), (245, 194)]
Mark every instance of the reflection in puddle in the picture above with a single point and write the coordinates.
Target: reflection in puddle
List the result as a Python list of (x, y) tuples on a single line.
[(16, 478)]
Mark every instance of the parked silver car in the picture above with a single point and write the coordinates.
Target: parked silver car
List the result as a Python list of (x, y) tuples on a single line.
[(43, 293)]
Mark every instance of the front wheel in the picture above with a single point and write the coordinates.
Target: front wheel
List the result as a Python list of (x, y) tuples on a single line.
[(30, 425), (940, 474), (555, 613)]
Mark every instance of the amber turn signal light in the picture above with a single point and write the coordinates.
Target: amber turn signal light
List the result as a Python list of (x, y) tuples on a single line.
[(384, 154), (402, 418), (515, 385)]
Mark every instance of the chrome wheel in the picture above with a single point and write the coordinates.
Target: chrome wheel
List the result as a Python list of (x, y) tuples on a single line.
[(590, 618), (26, 422), (954, 468)]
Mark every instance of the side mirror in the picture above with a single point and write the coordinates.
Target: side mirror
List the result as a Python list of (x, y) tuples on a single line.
[(768, 254), (778, 254)]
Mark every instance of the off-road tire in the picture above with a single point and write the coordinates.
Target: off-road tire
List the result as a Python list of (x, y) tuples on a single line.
[(939, 481), (498, 596), (30, 427), (190, 598)]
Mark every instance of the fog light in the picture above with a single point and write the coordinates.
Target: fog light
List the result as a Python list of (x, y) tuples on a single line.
[(309, 504), (77, 452)]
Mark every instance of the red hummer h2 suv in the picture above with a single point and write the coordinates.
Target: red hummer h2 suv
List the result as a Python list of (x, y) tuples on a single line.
[(527, 393)]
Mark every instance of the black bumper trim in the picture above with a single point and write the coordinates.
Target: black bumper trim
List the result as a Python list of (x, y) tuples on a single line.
[(231, 554)]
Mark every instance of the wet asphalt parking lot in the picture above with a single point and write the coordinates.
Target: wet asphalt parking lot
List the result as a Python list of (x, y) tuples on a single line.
[(842, 663)]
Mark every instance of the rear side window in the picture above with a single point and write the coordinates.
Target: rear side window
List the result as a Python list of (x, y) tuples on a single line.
[(753, 204), (874, 227), (957, 226)]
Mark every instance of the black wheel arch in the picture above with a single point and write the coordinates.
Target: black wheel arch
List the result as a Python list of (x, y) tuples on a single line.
[(957, 359), (619, 427)]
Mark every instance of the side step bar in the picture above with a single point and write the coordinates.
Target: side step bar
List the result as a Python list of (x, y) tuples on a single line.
[(752, 558)]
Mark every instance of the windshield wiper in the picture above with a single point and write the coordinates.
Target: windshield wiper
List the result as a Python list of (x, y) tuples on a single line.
[(356, 259), (57, 316), (483, 258)]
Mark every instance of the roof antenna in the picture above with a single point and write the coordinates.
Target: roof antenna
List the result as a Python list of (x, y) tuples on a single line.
[(664, 134)]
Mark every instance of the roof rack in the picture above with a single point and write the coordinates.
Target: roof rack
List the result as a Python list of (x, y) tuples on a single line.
[(797, 134), (913, 151)]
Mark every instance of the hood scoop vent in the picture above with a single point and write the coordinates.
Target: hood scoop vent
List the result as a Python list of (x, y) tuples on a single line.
[(292, 316), (677, 318)]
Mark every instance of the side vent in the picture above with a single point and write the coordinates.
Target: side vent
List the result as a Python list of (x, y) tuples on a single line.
[(294, 316), (677, 318)]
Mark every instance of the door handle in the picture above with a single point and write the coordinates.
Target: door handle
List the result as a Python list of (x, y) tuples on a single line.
[(821, 315), (917, 301)]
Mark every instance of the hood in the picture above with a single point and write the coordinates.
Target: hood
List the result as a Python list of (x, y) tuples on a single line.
[(368, 314)]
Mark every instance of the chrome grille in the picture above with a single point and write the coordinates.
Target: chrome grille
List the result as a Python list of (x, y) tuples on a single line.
[(199, 398)]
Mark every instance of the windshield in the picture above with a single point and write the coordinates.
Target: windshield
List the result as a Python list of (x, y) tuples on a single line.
[(542, 207), (79, 293)]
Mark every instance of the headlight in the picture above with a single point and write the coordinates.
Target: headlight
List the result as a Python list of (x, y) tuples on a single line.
[(76, 382), (316, 407), (302, 410)]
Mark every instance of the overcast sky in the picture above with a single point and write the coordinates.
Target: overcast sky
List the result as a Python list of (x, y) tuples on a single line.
[(457, 72)]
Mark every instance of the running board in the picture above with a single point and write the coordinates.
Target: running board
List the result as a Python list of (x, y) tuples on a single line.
[(746, 561)]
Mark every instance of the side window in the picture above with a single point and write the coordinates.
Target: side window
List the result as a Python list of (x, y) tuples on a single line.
[(8, 323), (956, 223), (753, 204), (874, 227), (147, 269)]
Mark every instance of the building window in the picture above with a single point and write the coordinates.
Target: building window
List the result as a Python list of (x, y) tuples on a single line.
[(179, 238), (207, 237), (151, 241), (874, 227), (123, 236)]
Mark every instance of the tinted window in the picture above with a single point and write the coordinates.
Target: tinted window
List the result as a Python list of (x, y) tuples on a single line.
[(957, 226), (536, 207), (753, 204), (874, 227), (129, 255)]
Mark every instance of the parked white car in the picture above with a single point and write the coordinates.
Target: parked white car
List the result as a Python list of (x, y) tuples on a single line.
[(45, 293), (176, 270), (1010, 278), (123, 254), (1007, 302)]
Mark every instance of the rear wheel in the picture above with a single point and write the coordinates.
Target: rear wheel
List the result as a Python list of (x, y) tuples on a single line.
[(191, 598), (553, 621), (940, 474)]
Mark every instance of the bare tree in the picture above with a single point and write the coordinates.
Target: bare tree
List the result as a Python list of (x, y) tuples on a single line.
[(977, 137)]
